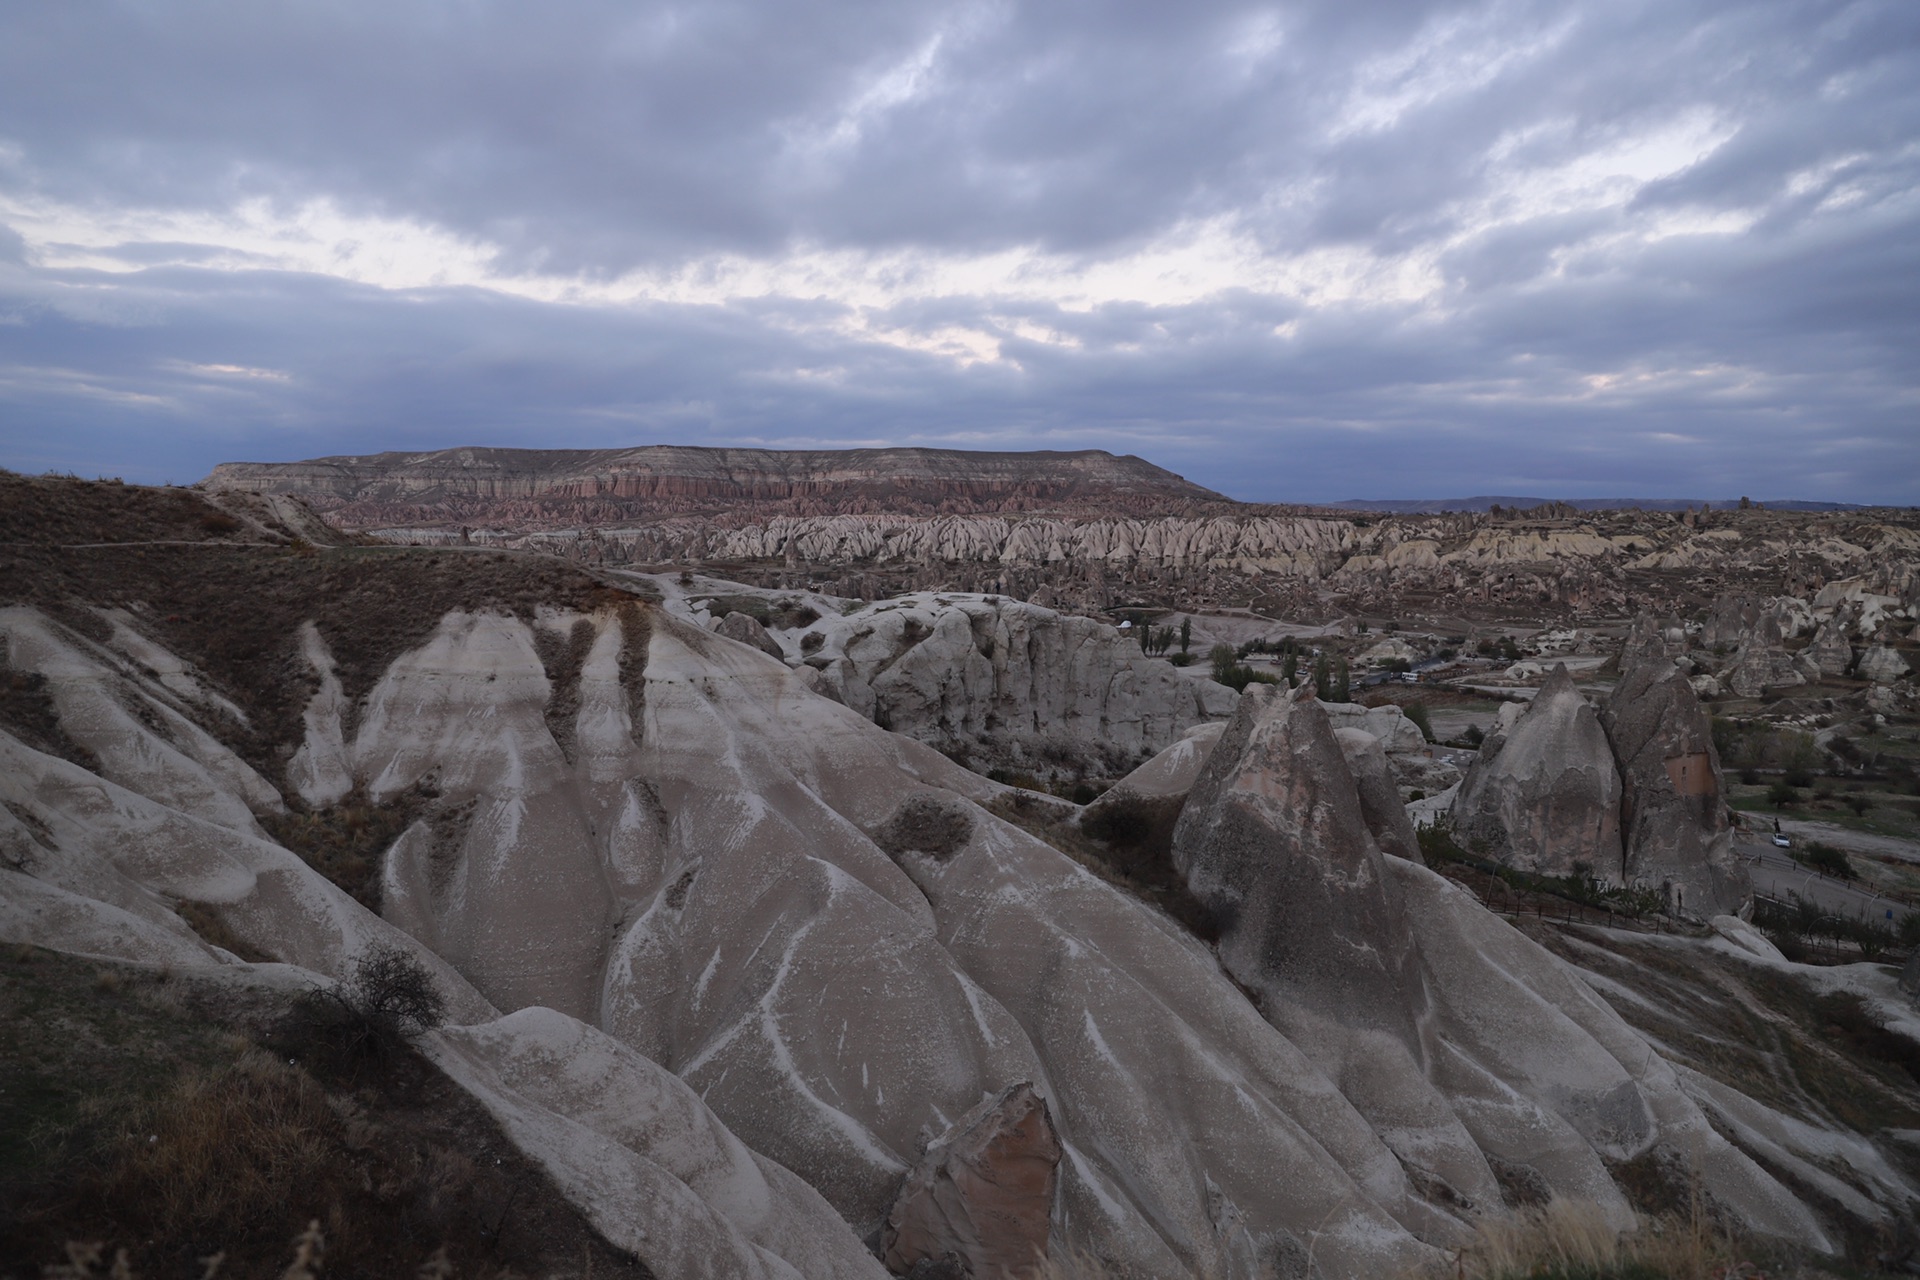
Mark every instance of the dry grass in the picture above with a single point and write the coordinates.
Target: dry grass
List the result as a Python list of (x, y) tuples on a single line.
[(131, 1117), (1567, 1241)]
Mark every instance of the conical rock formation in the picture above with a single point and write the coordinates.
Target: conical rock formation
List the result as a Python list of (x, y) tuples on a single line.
[(1545, 795), (1673, 808)]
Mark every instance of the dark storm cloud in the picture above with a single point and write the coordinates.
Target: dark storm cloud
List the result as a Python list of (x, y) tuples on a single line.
[(1654, 248)]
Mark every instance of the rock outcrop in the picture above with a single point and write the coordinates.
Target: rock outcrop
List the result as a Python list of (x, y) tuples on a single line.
[(477, 484), (1367, 964), (748, 631), (1673, 808), (1380, 803), (1882, 665), (1010, 684), (1831, 651), (754, 953), (1545, 795), (982, 1194)]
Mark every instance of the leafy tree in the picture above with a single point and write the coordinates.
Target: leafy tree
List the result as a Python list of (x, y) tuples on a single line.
[(1342, 687), (1186, 633), (1417, 712), (1290, 669), (1322, 685)]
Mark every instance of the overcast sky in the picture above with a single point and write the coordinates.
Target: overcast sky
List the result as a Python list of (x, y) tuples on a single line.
[(1298, 252)]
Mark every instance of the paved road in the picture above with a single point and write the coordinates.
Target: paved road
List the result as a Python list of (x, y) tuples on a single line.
[(1775, 875), (1852, 841)]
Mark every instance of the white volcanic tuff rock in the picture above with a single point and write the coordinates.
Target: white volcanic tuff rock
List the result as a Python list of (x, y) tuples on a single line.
[(1380, 805), (1172, 771), (1545, 795), (1509, 546), (104, 864), (105, 704), (745, 630), (654, 1168), (1673, 810), (1882, 665), (832, 1003), (321, 769), (519, 896), (796, 979), (946, 667), (1398, 735), (1830, 651), (1456, 1036), (1415, 765), (1291, 546)]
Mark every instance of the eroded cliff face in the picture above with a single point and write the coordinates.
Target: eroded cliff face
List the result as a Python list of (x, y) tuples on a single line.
[(542, 486), (1002, 683), (727, 958), (1081, 530)]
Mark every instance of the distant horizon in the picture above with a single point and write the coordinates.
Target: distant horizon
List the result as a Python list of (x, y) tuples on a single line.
[(1417, 504)]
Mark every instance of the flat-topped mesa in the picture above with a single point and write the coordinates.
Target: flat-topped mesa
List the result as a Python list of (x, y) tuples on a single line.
[(452, 485), (1673, 799), (1545, 796)]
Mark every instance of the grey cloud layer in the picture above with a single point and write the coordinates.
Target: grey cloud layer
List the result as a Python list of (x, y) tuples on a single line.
[(1745, 323)]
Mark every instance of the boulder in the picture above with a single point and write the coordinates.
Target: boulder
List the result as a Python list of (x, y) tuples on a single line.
[(1546, 798), (1380, 805), (748, 631), (1673, 806), (982, 1195), (1882, 665)]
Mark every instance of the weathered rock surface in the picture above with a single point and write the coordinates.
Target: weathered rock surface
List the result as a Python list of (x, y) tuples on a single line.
[(1673, 808), (1882, 665), (1380, 804), (1545, 794), (656, 1171), (1831, 651), (826, 935), (477, 483), (748, 631), (1010, 683), (982, 1193), (1362, 959)]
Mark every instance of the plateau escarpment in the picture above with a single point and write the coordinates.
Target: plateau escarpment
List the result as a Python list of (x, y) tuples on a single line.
[(546, 488), (765, 989), (1084, 531)]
